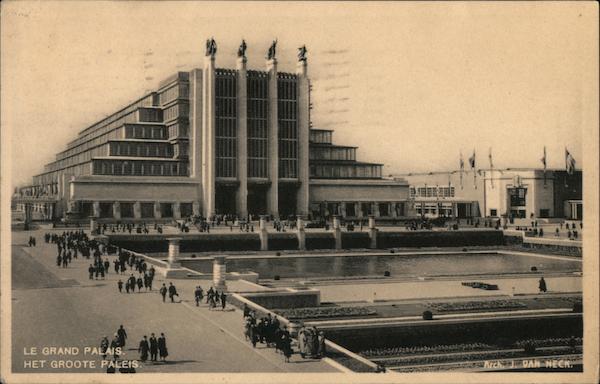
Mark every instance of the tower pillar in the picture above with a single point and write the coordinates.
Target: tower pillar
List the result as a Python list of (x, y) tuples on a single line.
[(241, 196), (273, 140)]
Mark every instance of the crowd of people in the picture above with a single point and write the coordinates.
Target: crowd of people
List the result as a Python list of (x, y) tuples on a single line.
[(128, 228), (155, 347), (267, 330)]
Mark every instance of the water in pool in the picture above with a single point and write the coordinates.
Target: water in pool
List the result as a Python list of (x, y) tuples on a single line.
[(397, 265)]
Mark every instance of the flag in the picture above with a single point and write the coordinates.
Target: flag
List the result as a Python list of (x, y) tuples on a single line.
[(462, 169), (569, 162), (543, 160), (472, 160), (472, 163), (491, 168)]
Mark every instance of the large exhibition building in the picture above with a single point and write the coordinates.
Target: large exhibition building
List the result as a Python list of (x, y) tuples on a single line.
[(214, 141)]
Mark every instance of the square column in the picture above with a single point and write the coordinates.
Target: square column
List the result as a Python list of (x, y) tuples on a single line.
[(273, 140), (117, 210), (303, 120), (96, 208), (137, 210), (157, 214), (337, 232), (208, 136), (177, 210), (241, 197)]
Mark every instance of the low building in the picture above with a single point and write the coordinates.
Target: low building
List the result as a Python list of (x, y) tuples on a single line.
[(510, 192)]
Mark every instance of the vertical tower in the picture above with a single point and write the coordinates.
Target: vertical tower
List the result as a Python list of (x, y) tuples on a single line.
[(208, 133), (303, 136), (273, 132), (195, 134), (242, 136)]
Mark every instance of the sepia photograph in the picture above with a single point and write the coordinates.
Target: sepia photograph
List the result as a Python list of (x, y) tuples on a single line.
[(299, 192)]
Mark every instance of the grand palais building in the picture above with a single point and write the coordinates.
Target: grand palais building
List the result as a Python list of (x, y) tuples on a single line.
[(214, 141)]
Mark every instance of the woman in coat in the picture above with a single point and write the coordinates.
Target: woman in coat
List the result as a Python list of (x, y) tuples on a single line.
[(143, 349)]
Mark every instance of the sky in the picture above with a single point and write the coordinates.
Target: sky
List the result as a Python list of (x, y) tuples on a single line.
[(411, 84)]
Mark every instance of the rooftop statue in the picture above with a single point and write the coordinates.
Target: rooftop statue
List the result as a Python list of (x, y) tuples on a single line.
[(302, 53), (242, 49), (272, 50), (211, 47)]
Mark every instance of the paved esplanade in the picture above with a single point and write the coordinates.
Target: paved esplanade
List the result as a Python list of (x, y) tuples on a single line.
[(60, 307)]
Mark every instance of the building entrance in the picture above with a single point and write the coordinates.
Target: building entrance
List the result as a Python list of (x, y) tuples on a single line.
[(257, 200), (225, 199), (287, 200)]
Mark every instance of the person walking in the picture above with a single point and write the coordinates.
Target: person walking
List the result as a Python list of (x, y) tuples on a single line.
[(132, 283), (106, 266), (162, 347), (122, 334), (143, 349), (172, 292), (153, 347), (140, 284), (91, 270), (223, 300), (542, 285), (198, 295), (163, 292), (114, 346), (120, 285), (104, 347)]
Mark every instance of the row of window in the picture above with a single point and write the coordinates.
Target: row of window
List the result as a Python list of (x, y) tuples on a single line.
[(127, 115), (257, 125), (179, 129), (344, 171), (77, 170), (432, 191), (332, 153), (179, 109), (358, 209), (139, 168), (177, 91), (145, 132), (321, 137), (127, 209), (287, 89), (140, 149), (99, 150)]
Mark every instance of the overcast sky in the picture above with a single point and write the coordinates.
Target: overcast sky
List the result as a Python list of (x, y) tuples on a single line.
[(411, 84)]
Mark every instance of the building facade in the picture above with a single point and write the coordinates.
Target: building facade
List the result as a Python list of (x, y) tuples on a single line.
[(213, 141), (511, 192)]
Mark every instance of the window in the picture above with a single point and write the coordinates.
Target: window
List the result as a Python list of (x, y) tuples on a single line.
[(147, 210), (493, 212), (517, 196)]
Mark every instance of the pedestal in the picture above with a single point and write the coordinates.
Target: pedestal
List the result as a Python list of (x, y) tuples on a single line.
[(337, 232), (372, 232), (301, 233), (174, 269), (220, 273), (264, 236)]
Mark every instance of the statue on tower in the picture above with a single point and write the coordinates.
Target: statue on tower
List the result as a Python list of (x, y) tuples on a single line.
[(211, 47), (302, 53), (272, 50), (242, 49)]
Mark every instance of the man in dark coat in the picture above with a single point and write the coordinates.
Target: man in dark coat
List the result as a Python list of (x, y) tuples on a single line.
[(223, 300), (106, 266), (163, 292), (143, 349), (120, 285), (162, 347), (132, 282), (122, 334), (140, 284), (172, 292), (198, 295), (153, 347), (91, 270)]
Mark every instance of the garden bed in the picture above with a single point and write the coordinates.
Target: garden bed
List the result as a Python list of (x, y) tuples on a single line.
[(476, 305), (324, 312)]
